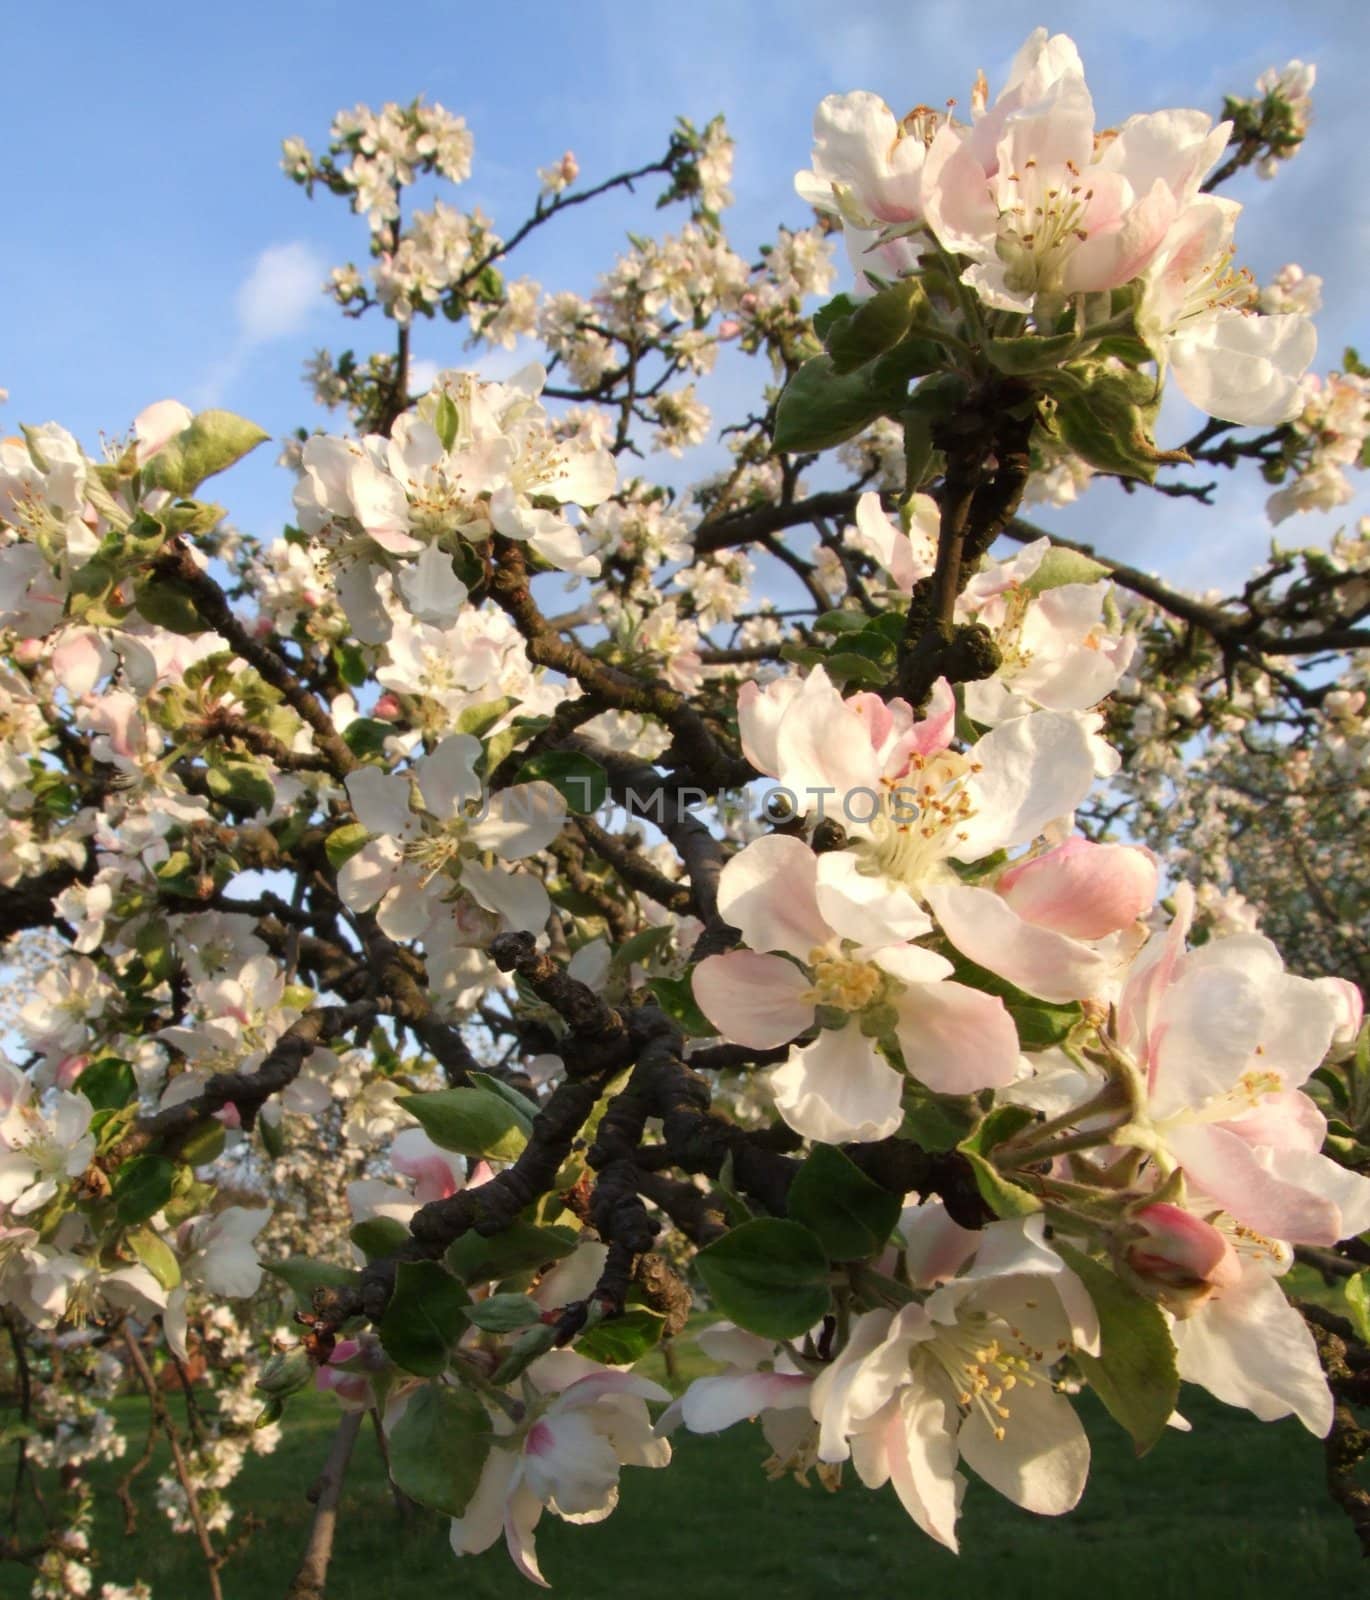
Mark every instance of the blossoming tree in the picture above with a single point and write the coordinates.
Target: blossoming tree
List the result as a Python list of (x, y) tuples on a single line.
[(451, 981)]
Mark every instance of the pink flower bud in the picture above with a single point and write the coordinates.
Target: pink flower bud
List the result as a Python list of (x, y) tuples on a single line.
[(28, 651), (729, 329), (1350, 1008), (387, 708), (1083, 890), (1182, 1251), (70, 1070)]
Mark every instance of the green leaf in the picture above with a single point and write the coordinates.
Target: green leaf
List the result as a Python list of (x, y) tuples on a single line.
[(623, 1340), (156, 1255), (821, 407), (1031, 353), (504, 1313), (165, 603), (141, 1187), (343, 843), (521, 1247), (108, 1084), (839, 306), (521, 1104), (840, 622), (768, 1276), (154, 945), (851, 1215), (1357, 1292), (935, 1122), (204, 1143), (477, 720), (366, 736), (213, 441), (379, 1236), (445, 420), (579, 780), (1005, 1199), (424, 1319), (350, 660), (244, 782), (1060, 566), (1134, 1374), (875, 325), (302, 1275), (678, 1002), (1098, 415), (638, 949), (438, 1447), (846, 667), (529, 1345), (473, 1122)]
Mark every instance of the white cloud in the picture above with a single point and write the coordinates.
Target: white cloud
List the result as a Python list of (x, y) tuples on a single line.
[(277, 296), (422, 375)]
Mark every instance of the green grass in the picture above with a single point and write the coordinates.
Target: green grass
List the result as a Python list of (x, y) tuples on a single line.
[(1235, 1508)]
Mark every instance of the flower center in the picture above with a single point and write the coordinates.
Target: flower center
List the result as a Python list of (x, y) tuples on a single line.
[(839, 981), (983, 1371)]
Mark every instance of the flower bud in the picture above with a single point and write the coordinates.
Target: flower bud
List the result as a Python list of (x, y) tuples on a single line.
[(1081, 889), (1350, 1010), (1183, 1257), (285, 1372)]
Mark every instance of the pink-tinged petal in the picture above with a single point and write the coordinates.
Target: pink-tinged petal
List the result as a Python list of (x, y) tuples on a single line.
[(933, 732), (1232, 1174), (830, 1399), (1321, 1175), (758, 720), (838, 1088), (767, 891), (520, 821), (712, 1404), (1286, 1121), (1350, 1007), (890, 544), (380, 800), (367, 877), (956, 1040), (1149, 977), (1251, 1348), (1182, 1249), (935, 1247), (912, 964), (1203, 1037), (862, 907), (595, 1386), (922, 1452), (1114, 256), (734, 1346), (756, 1000), (521, 1513), (1082, 889), (1042, 1461), (436, 1173), (80, 661), (1243, 368), (157, 425), (518, 897), (1036, 960), (1032, 770), (447, 776), (409, 907), (824, 750)]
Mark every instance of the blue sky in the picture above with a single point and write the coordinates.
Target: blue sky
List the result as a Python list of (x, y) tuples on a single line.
[(155, 248)]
